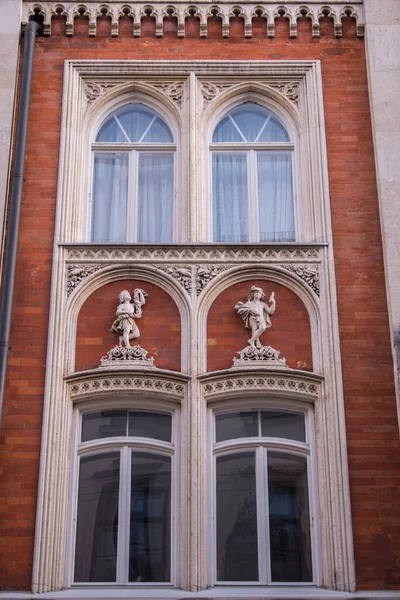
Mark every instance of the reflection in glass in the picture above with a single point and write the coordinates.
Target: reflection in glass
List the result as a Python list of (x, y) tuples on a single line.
[(151, 425), (237, 550), (150, 534), (97, 521), (288, 425), (229, 426), (102, 424), (289, 519)]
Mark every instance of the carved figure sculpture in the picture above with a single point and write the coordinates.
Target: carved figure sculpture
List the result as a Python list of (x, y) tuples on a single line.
[(256, 314), (127, 312)]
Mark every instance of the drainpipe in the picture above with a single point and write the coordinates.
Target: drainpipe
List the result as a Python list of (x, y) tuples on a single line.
[(16, 182)]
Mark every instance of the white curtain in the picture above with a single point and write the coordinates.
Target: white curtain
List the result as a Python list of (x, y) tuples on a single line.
[(230, 197), (156, 197), (275, 197), (110, 185)]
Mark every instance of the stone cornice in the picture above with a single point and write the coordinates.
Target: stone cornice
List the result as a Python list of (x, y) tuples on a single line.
[(269, 11)]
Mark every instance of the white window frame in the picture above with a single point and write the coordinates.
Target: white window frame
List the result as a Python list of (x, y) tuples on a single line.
[(133, 150), (251, 150), (261, 445), (125, 445)]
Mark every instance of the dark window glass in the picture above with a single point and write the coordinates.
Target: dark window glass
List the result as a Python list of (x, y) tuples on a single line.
[(150, 534), (150, 425), (237, 550), (102, 424), (229, 426), (97, 521), (289, 519), (288, 425)]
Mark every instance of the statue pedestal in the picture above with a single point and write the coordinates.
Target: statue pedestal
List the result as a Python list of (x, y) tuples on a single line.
[(134, 357), (266, 356)]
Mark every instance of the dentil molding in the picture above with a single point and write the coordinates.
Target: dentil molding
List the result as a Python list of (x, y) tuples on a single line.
[(269, 11)]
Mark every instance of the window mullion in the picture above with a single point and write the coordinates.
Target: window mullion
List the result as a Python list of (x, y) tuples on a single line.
[(252, 193), (124, 516), (267, 537), (262, 514)]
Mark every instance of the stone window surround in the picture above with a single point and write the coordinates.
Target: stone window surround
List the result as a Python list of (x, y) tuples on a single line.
[(86, 84)]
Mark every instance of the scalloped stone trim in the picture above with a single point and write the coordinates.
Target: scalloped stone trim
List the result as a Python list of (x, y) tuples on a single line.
[(224, 10)]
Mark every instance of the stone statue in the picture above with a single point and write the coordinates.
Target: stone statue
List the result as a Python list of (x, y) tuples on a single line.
[(127, 311), (256, 314)]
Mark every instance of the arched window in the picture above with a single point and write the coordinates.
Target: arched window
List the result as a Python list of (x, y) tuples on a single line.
[(263, 509), (252, 185), (127, 474), (133, 178)]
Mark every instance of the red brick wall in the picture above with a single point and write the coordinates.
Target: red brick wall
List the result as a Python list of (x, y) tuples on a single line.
[(160, 327), (289, 333), (373, 444)]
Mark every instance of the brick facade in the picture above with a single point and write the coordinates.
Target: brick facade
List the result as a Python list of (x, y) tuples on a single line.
[(371, 419)]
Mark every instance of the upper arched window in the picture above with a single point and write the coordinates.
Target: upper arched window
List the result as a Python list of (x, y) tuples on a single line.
[(252, 184), (133, 178)]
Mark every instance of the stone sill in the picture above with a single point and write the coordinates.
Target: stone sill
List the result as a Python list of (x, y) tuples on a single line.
[(223, 593)]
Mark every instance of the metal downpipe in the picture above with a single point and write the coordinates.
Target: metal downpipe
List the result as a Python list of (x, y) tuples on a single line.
[(16, 183)]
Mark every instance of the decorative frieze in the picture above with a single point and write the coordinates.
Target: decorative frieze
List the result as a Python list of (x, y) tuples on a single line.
[(98, 384), (245, 253), (272, 383), (269, 11)]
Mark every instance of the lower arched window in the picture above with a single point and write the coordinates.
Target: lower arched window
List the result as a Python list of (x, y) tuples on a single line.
[(263, 505), (125, 497)]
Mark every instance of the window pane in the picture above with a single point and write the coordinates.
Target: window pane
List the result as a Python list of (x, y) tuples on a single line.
[(158, 132), (110, 186), (230, 197), (150, 425), (237, 550), (274, 132), (289, 519), (134, 123), (275, 197), (156, 196), (229, 426), (283, 425), (250, 122), (102, 424), (97, 522), (150, 530)]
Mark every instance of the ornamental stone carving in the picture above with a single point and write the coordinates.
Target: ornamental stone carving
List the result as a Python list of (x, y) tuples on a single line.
[(133, 356), (308, 273), (128, 311), (77, 273), (256, 315), (181, 273), (205, 273), (156, 254)]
